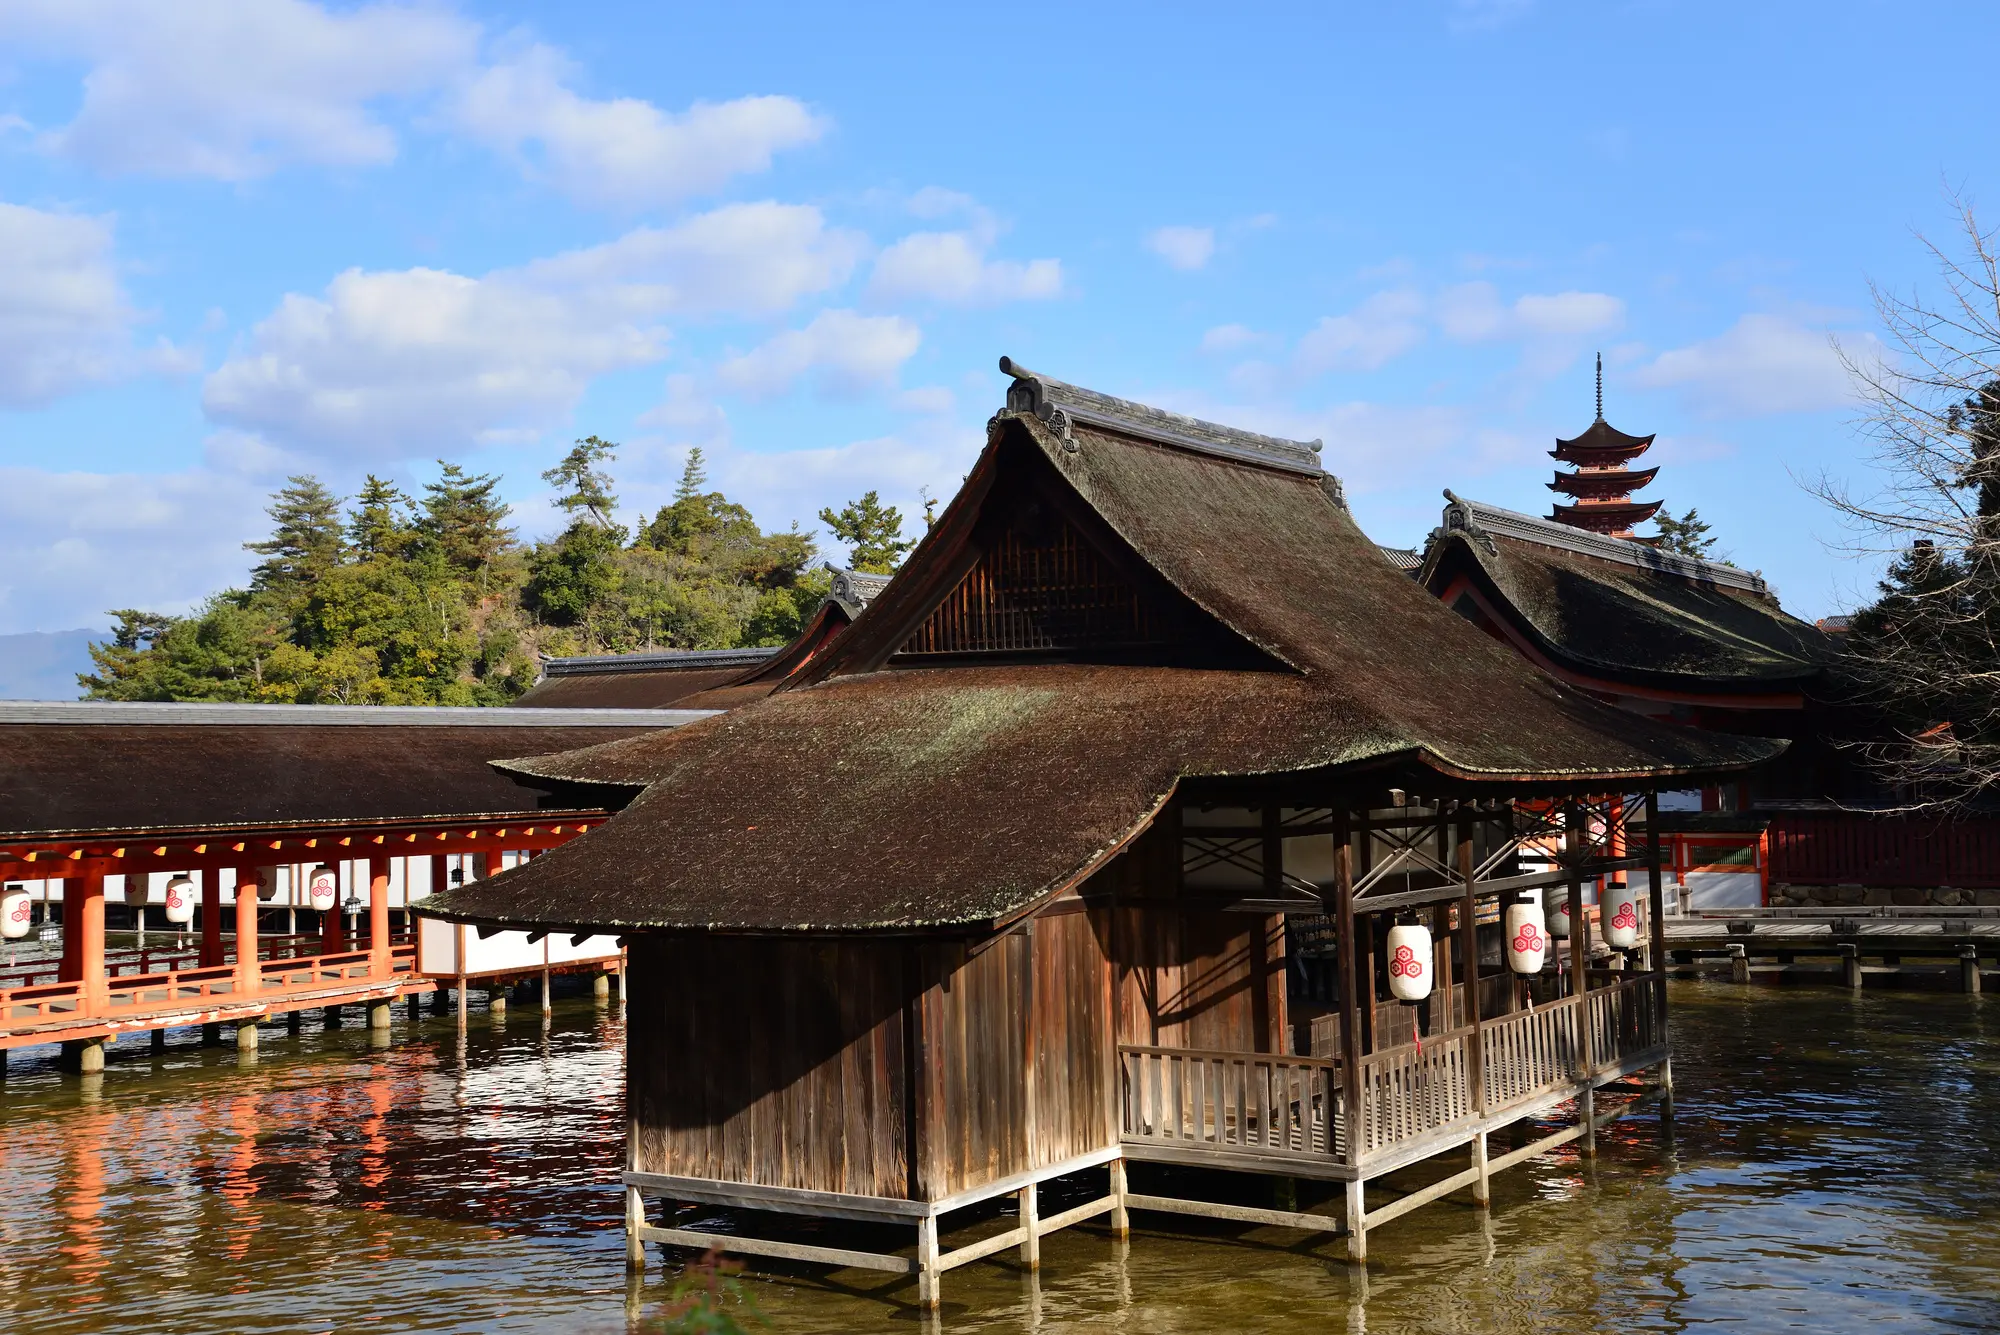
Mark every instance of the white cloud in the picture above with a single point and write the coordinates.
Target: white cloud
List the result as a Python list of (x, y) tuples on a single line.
[(230, 89), (1227, 338), (73, 545), (64, 319), (845, 353), (1760, 364), (1376, 332), (386, 364), (952, 267), (622, 151), (1183, 248), (1474, 313)]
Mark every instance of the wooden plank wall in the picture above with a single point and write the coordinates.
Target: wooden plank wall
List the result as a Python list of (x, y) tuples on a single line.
[(975, 1044), (1072, 1046), (780, 1063), (1190, 978)]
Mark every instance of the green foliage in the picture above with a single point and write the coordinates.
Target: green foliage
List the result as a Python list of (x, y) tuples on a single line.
[(1686, 536), (872, 531), (305, 538), (432, 601)]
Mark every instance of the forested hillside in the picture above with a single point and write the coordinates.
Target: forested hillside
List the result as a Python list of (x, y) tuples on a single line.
[(385, 598)]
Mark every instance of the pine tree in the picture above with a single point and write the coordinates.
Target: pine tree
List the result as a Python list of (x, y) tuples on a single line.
[(872, 531), (1686, 536), (586, 486), (462, 520), (305, 539), (693, 514), (379, 521)]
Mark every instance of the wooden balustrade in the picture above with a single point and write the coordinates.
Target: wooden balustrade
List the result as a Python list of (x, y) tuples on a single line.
[(1255, 1102), (39, 1003), (1530, 1052), (1411, 1091)]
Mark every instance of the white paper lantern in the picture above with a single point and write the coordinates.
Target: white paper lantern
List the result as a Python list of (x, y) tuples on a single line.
[(15, 911), (267, 881), (1527, 937), (1411, 963), (1618, 911), (1555, 911), (180, 900), (324, 886)]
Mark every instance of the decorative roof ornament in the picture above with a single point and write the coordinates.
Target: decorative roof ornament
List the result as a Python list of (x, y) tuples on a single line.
[(1602, 485), (1058, 405)]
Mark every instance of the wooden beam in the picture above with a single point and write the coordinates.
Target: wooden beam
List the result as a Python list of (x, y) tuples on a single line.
[(786, 1251)]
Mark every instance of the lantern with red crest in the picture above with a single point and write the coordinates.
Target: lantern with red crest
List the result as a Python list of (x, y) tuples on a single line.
[(1411, 962), (1527, 937)]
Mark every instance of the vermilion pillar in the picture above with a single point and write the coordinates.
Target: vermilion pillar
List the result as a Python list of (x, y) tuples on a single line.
[(378, 915), (83, 938), (249, 978), (211, 918)]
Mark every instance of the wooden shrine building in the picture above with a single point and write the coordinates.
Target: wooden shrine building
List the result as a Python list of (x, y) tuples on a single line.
[(1010, 882), (103, 805)]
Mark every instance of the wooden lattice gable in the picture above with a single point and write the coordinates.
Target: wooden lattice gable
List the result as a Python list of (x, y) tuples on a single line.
[(1040, 584)]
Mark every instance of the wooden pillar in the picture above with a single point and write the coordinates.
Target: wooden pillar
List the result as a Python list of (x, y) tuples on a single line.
[(927, 1259), (1468, 937), (378, 916), (1968, 969), (211, 918), (1576, 839), (635, 1220), (249, 977), (1656, 904), (1352, 1114), (1031, 1228), (1121, 1218), (83, 938)]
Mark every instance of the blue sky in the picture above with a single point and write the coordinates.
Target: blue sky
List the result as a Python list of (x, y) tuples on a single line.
[(244, 239)]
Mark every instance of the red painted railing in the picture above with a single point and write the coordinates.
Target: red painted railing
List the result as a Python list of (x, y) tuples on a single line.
[(40, 1005), (1846, 848)]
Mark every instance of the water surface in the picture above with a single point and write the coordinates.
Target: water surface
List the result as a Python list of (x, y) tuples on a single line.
[(1832, 1168)]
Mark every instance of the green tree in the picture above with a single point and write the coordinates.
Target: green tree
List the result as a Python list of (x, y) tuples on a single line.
[(462, 520), (571, 580), (305, 540), (1686, 536), (379, 521), (872, 531), (585, 485)]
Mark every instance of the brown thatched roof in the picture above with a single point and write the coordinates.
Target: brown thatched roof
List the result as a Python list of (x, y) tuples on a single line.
[(96, 768), (1622, 610), (870, 795)]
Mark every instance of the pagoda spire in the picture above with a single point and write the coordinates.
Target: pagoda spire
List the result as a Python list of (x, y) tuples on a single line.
[(1602, 483)]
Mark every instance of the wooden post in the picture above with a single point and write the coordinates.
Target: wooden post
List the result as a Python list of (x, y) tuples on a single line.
[(83, 938), (1576, 839), (927, 1258), (211, 918), (635, 1219), (378, 916), (1739, 962), (1482, 1186), (546, 1006), (1121, 1218), (1468, 939), (1350, 1025), (1031, 1228), (1656, 904), (249, 978), (1968, 969), (1850, 965)]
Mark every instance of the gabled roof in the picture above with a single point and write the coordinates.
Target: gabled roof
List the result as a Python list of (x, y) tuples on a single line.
[(863, 795), (1622, 610), (1601, 442), (99, 767)]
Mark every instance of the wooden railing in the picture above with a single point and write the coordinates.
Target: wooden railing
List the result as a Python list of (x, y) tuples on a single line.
[(173, 990), (1411, 1091), (1254, 1102), (1275, 1105), (133, 960)]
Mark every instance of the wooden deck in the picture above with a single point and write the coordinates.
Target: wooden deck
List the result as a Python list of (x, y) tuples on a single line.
[(1288, 1114)]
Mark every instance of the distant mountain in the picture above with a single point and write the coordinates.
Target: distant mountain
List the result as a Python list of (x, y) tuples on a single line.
[(42, 665)]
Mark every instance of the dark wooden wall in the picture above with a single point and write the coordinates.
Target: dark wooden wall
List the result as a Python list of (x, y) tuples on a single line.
[(1189, 977), (776, 1062)]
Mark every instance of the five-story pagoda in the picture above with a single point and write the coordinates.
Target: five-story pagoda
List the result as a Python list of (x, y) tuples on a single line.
[(1602, 484)]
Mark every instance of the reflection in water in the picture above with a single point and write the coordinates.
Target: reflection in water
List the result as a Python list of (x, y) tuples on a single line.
[(1831, 1171)]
